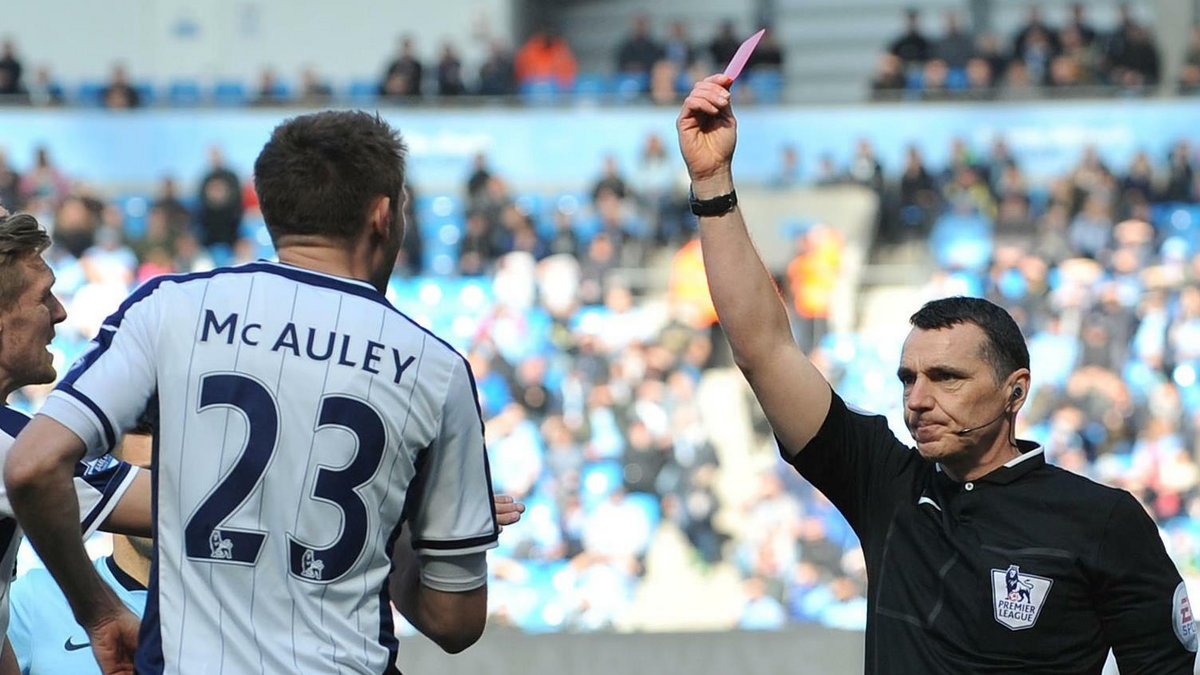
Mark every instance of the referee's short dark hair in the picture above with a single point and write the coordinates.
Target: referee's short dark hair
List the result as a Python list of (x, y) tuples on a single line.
[(319, 173), (1005, 347)]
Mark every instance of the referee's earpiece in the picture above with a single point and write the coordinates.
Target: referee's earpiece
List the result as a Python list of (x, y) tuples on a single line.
[(1017, 391)]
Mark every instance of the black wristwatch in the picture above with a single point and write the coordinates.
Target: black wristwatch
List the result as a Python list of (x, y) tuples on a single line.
[(717, 206)]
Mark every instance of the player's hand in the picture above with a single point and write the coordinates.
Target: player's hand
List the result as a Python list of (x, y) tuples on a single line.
[(114, 642), (708, 131), (508, 510)]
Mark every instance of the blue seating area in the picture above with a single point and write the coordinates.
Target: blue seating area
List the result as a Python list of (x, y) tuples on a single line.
[(588, 88)]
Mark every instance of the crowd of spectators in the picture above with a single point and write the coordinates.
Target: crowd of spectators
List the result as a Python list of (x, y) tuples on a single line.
[(590, 386), (1039, 59), (645, 65)]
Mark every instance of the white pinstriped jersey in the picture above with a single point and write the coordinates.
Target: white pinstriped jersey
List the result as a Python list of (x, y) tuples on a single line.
[(98, 485), (301, 419)]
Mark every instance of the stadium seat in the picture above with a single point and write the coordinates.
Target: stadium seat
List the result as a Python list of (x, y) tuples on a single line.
[(146, 93), (961, 242), (592, 88), (956, 79), (229, 93), (184, 93), (766, 85), (539, 92), (630, 86), (90, 94), (363, 92), (134, 208)]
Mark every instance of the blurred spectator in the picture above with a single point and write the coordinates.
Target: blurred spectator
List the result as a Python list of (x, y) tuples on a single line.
[(980, 80), (989, 48), (314, 91), (912, 46), (449, 73), (1079, 23), (664, 77), (760, 610), (10, 70), (43, 183), (935, 80), (724, 44), (828, 172), (1137, 187), (1033, 27), (220, 202), (639, 51), (658, 193), (496, 74), (812, 277), (546, 56), (10, 185), (610, 181), (75, 224), (270, 91), (1135, 64), (118, 94), (955, 47), (43, 91), (404, 74), (477, 182), (889, 80), (768, 55), (175, 214), (1037, 52), (678, 49), (918, 197), (1189, 77), (1181, 184), (865, 168), (1079, 62), (787, 174)]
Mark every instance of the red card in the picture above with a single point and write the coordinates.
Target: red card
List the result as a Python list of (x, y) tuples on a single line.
[(738, 62)]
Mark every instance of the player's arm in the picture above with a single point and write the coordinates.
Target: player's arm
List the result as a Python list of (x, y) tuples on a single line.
[(39, 476), (792, 392), (441, 588), (1144, 611), (132, 514), (452, 619), (8, 660)]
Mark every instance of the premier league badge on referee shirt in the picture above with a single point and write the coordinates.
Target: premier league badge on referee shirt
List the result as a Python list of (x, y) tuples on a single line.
[(1018, 597)]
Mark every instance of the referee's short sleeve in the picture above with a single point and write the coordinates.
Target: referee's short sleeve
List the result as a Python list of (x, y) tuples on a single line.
[(1144, 609), (855, 460)]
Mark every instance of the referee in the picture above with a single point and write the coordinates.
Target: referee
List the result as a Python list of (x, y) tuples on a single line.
[(981, 558)]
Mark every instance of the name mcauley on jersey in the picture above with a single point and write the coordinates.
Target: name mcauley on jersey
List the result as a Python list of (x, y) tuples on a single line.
[(314, 343)]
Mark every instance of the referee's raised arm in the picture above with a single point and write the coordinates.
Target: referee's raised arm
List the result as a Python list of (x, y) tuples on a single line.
[(792, 392)]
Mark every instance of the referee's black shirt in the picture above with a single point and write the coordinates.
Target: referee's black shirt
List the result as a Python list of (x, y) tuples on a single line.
[(1030, 569)]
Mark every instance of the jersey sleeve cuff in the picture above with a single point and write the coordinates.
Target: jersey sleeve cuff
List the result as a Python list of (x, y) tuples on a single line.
[(126, 473), (449, 547), (77, 412), (454, 574)]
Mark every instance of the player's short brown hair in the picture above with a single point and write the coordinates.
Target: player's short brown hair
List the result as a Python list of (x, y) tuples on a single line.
[(320, 173), (20, 237)]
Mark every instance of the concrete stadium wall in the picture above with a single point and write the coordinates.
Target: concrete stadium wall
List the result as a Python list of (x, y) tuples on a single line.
[(161, 39), (804, 650)]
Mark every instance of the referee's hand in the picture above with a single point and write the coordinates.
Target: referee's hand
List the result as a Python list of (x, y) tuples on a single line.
[(708, 134)]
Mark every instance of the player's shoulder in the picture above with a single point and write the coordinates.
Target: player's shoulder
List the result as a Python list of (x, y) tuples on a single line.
[(12, 421)]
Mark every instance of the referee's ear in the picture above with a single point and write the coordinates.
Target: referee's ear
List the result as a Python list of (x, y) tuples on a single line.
[(1018, 388)]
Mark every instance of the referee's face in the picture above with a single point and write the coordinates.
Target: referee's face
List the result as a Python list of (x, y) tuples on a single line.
[(949, 387)]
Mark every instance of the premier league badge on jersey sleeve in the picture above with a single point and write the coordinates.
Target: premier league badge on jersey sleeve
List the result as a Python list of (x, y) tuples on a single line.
[(1018, 597)]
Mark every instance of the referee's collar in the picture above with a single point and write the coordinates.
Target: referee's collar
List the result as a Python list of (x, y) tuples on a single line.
[(1033, 456)]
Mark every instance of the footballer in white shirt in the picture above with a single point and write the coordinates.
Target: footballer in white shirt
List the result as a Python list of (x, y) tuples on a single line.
[(28, 313), (303, 423)]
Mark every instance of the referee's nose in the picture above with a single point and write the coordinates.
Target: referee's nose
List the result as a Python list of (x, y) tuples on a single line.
[(919, 396)]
